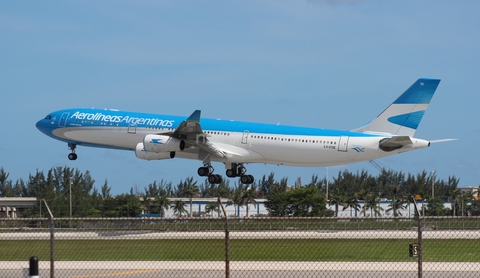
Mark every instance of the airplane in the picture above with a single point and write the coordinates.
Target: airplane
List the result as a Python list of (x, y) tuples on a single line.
[(235, 143)]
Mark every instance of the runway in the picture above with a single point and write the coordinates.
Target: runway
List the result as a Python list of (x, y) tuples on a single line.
[(84, 269), (132, 235)]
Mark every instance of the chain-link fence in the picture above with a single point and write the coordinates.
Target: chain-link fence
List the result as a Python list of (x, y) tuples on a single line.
[(241, 247)]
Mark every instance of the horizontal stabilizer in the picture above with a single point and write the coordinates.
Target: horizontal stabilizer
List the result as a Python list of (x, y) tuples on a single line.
[(394, 143)]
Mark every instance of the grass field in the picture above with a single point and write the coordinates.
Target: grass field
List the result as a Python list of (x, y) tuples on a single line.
[(368, 250)]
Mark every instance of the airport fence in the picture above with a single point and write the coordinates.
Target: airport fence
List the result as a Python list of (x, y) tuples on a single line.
[(242, 247)]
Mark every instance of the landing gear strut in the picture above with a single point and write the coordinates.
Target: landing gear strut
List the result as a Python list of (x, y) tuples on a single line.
[(72, 155)]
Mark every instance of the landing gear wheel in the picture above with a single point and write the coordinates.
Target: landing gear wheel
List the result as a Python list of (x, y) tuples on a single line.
[(231, 173), (215, 179), (247, 179), (72, 156), (203, 171)]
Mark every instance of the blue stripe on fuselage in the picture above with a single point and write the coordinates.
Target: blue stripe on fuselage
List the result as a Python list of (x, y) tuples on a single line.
[(105, 118)]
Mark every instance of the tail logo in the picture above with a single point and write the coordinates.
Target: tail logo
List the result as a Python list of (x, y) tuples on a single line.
[(358, 149), (410, 120)]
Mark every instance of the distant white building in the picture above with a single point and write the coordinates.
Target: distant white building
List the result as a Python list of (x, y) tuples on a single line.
[(199, 204), (13, 207)]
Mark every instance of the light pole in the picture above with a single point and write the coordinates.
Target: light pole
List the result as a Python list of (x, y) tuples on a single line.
[(327, 184), (70, 183), (433, 184)]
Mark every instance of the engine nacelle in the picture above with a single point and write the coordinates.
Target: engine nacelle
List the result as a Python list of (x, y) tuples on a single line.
[(162, 143), (142, 153)]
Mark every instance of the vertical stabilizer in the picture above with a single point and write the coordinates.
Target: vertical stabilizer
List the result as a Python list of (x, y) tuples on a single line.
[(403, 116)]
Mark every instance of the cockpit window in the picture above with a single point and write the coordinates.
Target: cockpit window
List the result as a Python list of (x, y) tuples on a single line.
[(48, 117)]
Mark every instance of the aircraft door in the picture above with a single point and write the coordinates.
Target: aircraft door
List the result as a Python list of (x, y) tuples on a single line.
[(132, 128), (343, 144), (245, 136), (63, 119)]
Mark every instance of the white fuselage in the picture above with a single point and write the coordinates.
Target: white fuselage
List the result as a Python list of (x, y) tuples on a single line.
[(246, 147)]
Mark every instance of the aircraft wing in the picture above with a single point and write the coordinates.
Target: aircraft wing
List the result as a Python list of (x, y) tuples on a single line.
[(190, 128), (191, 132)]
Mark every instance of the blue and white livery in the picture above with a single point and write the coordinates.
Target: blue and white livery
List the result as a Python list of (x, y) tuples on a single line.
[(157, 136)]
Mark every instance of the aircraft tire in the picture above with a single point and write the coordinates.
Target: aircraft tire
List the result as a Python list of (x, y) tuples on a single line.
[(72, 156), (231, 173), (214, 179), (203, 171)]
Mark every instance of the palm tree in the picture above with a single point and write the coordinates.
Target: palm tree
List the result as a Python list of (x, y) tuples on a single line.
[(178, 207), (248, 196), (352, 203), (191, 191), (163, 203), (363, 195), (221, 190), (395, 201), (235, 199), (146, 203), (396, 205), (336, 198), (212, 207), (422, 195), (453, 197), (410, 198), (373, 203)]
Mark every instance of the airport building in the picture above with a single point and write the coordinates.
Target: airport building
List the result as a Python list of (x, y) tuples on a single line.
[(13, 207)]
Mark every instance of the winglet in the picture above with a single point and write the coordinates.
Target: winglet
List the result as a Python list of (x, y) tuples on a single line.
[(195, 117), (403, 116)]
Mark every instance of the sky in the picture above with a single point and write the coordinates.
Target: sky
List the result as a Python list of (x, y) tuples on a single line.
[(325, 64)]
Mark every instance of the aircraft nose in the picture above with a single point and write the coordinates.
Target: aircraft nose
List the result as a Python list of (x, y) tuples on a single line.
[(40, 125), (43, 125)]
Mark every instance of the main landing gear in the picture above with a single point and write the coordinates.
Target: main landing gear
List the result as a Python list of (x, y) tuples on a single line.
[(236, 170), (207, 171), (72, 155)]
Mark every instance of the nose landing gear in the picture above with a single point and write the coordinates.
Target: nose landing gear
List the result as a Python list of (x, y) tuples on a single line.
[(72, 155)]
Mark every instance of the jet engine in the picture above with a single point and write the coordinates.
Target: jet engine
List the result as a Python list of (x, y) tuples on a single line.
[(141, 153), (162, 143)]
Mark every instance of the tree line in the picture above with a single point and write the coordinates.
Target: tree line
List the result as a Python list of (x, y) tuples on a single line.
[(360, 191)]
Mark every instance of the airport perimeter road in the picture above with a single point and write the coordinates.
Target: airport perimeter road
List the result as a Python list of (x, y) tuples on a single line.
[(364, 234), (243, 269)]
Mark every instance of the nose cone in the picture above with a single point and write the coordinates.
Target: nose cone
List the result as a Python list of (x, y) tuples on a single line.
[(41, 125), (45, 125)]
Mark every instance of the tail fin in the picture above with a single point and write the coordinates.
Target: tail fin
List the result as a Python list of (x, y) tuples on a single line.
[(403, 116)]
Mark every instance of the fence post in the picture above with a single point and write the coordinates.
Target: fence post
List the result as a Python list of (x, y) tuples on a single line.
[(33, 270), (52, 242), (420, 238), (227, 240)]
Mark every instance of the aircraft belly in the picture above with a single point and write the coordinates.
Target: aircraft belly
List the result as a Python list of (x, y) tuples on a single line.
[(238, 154), (359, 149), (109, 137)]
